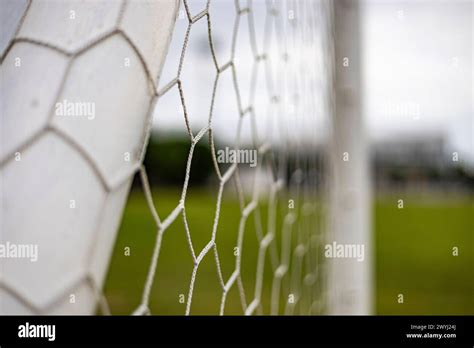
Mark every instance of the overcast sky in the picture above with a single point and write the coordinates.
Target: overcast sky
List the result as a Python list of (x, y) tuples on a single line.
[(417, 69)]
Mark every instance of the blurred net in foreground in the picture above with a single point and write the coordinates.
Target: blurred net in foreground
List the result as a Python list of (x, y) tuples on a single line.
[(292, 58), (288, 94)]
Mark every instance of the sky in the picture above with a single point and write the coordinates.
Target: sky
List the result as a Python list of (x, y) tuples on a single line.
[(417, 71)]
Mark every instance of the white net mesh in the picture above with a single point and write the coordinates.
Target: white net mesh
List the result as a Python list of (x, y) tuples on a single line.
[(282, 92), (286, 116)]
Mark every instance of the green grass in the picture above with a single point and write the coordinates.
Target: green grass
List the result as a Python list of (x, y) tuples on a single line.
[(414, 256), (413, 249)]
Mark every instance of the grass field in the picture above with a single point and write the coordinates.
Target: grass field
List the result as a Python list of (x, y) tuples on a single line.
[(413, 249)]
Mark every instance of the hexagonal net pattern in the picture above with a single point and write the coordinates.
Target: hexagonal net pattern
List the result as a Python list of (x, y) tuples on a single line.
[(65, 177), (297, 70), (294, 54)]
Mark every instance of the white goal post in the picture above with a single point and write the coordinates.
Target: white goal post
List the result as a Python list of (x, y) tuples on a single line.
[(349, 279), (78, 88)]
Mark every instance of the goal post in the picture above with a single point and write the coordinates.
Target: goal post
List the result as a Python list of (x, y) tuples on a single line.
[(349, 282)]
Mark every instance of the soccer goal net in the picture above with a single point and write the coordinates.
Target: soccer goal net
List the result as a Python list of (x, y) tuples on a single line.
[(81, 87)]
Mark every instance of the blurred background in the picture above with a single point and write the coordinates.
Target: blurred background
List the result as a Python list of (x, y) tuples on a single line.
[(418, 107)]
